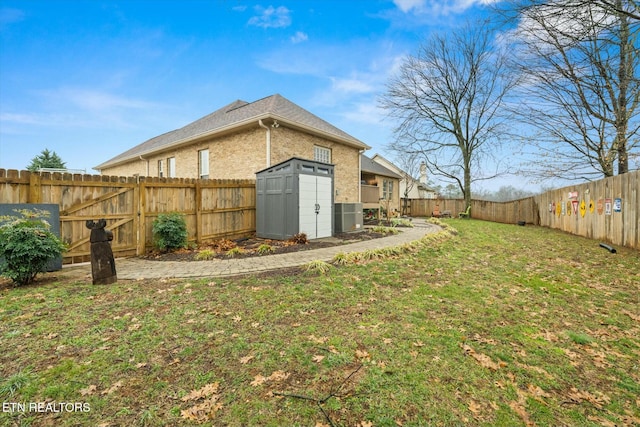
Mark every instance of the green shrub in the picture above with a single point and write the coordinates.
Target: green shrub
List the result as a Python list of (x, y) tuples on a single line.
[(206, 255), (27, 246), (234, 252), (384, 230), (264, 249), (170, 231), (401, 222), (317, 266)]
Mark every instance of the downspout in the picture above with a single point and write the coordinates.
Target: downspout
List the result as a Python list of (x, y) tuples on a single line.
[(360, 175), (147, 160), (262, 125)]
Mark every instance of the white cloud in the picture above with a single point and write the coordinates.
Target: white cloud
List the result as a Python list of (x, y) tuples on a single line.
[(407, 5), (353, 85), (271, 17), (299, 37), (439, 7)]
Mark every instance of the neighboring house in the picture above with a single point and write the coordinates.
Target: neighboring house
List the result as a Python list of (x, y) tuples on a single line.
[(243, 138), (379, 187), (410, 187)]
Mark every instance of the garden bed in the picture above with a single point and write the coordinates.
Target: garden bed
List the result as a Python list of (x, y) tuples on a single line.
[(254, 246)]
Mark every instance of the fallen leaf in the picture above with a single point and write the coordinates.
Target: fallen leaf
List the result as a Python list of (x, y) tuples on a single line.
[(89, 390), (246, 359), (537, 393), (363, 354), (279, 376), (206, 391), (258, 380), (113, 388), (236, 319), (317, 358), (484, 360), (475, 408), (418, 344), (597, 400), (204, 411), (317, 340)]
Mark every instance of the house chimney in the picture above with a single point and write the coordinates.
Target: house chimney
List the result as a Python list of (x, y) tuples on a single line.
[(423, 173)]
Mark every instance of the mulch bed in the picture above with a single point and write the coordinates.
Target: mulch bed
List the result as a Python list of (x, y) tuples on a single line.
[(250, 245)]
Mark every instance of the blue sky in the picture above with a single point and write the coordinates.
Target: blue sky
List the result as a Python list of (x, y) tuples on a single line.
[(90, 79)]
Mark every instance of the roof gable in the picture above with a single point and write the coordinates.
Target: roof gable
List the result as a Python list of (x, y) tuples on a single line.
[(235, 115)]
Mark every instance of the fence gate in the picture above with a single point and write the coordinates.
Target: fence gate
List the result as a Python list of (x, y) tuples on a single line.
[(116, 202)]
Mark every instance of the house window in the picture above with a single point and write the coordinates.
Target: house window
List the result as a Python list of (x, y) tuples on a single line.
[(387, 189), (203, 164), (321, 154), (171, 167), (161, 168)]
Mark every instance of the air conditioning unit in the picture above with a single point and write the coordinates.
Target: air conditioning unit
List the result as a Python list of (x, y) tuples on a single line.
[(347, 217)]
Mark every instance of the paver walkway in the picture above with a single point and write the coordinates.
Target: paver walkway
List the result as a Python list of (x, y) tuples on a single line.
[(137, 268)]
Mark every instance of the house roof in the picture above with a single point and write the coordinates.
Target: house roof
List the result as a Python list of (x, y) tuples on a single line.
[(236, 115), (367, 165), (421, 186)]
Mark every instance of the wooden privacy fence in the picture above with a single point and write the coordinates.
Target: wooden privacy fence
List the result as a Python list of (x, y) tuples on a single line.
[(213, 208), (607, 210), (509, 213)]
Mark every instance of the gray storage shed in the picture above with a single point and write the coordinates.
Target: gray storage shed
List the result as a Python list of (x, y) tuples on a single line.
[(295, 196)]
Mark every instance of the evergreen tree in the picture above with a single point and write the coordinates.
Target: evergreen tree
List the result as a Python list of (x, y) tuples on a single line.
[(46, 159)]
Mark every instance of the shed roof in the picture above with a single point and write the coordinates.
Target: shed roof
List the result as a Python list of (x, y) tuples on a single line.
[(236, 115)]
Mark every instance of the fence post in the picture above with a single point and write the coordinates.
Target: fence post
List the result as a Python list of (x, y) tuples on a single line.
[(142, 228), (35, 188), (198, 212)]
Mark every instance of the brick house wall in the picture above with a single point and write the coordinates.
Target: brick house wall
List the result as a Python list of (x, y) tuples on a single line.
[(240, 155)]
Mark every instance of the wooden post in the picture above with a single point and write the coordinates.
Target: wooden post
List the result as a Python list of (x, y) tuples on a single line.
[(35, 188), (142, 224), (198, 212)]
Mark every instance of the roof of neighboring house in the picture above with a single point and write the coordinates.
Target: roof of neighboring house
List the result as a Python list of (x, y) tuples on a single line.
[(421, 186), (236, 115), (367, 165)]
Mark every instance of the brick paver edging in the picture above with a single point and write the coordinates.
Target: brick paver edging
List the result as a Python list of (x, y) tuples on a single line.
[(137, 268)]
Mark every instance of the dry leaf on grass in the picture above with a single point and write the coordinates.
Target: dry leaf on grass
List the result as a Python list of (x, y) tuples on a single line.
[(316, 340), (363, 354), (205, 410), (597, 400), (89, 390), (246, 359), (275, 377), (518, 408), (484, 360), (113, 388), (317, 358), (205, 391)]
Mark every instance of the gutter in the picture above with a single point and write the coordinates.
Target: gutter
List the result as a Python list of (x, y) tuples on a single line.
[(233, 126), (268, 141)]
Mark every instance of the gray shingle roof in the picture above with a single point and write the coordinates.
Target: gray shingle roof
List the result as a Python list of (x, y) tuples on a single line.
[(239, 113), (369, 166)]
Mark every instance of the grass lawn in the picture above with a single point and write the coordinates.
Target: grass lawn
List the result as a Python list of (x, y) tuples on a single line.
[(499, 325)]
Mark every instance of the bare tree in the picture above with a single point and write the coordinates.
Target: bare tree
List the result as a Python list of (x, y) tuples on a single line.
[(448, 99), (582, 91), (628, 8), (409, 164)]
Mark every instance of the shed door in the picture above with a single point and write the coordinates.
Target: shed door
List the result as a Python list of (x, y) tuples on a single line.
[(315, 206)]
